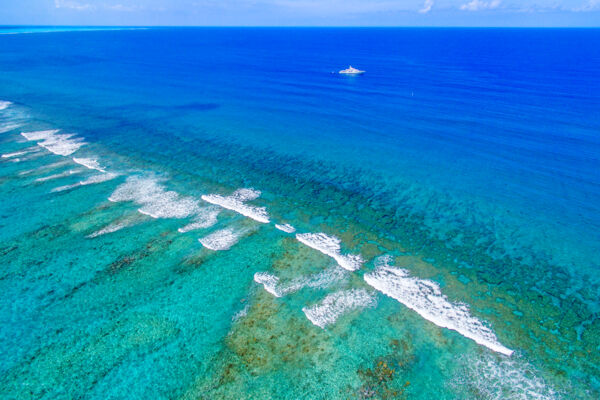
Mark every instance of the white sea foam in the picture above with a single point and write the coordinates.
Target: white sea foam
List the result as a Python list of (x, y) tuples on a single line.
[(246, 194), (107, 176), (205, 218), (44, 168), (15, 154), (502, 379), (65, 187), (235, 202), (62, 145), (137, 189), (336, 304), (426, 298), (90, 163), (285, 228), (269, 282), (170, 205), (51, 140), (39, 135), (89, 181), (28, 150), (220, 240), (8, 127), (241, 314), (27, 156), (60, 175), (330, 246), (322, 279), (155, 201), (117, 226), (4, 104)]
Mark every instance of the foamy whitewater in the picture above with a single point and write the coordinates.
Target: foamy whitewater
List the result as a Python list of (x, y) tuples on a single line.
[(236, 202), (180, 254), (9, 127), (155, 201), (336, 304), (221, 240), (51, 140), (330, 246), (40, 135), (44, 168), (90, 163), (15, 154), (426, 298), (89, 181), (60, 175), (287, 228), (28, 156), (320, 280), (114, 227), (240, 314), (503, 379), (205, 218)]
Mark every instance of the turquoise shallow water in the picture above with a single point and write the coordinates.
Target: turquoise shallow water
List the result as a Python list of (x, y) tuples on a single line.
[(220, 216)]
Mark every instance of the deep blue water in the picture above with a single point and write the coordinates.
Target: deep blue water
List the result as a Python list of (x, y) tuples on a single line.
[(470, 157)]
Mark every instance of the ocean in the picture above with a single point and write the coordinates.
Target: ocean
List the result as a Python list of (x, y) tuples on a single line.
[(216, 213)]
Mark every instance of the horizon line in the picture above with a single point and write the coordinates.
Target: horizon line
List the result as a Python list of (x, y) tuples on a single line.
[(306, 26)]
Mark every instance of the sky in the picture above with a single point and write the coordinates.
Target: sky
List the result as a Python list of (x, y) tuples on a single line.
[(571, 13)]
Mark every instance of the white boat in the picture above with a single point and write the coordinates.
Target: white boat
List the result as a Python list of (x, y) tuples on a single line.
[(351, 71)]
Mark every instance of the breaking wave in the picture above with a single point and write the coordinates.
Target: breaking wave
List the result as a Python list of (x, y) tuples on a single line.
[(336, 304), (425, 297), (236, 202), (330, 245)]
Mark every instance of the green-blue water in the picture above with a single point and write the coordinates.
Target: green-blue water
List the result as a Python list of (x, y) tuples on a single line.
[(214, 214)]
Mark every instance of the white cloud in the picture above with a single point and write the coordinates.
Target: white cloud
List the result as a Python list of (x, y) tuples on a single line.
[(426, 7), (591, 5), (476, 5), (121, 7), (340, 6), (80, 6), (74, 5)]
